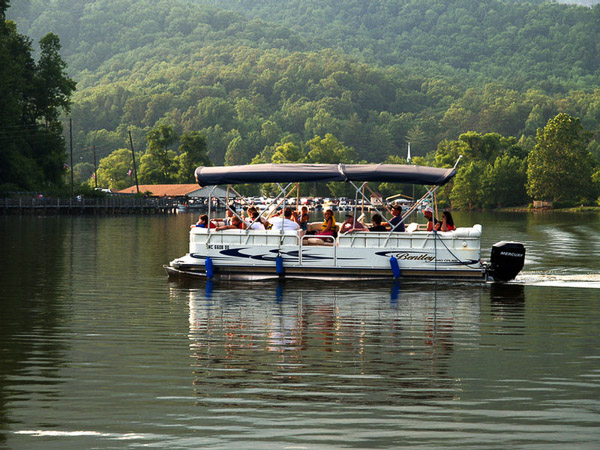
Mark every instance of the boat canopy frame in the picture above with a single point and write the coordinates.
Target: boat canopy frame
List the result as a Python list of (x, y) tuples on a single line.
[(292, 174)]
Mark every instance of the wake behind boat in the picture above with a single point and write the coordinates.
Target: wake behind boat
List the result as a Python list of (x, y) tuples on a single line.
[(249, 254)]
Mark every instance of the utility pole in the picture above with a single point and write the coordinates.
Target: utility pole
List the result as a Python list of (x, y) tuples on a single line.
[(95, 170), (134, 168), (71, 146)]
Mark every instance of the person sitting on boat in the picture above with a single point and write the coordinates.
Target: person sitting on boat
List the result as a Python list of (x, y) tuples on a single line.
[(303, 218), (251, 210), (447, 223), (236, 224), (328, 227), (350, 225), (229, 213), (431, 221), (396, 223), (285, 222), (253, 222), (202, 222), (377, 226)]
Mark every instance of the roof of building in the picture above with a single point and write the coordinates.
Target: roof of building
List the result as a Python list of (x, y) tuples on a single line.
[(161, 190), (177, 190)]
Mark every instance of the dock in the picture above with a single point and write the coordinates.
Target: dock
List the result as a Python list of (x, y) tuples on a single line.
[(74, 205)]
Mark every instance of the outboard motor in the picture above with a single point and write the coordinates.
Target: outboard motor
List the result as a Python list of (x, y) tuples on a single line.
[(507, 260)]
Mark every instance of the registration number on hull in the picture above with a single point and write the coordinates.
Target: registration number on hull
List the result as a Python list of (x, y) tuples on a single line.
[(217, 247)]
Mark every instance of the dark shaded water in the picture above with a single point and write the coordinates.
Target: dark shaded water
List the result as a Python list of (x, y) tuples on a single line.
[(99, 350)]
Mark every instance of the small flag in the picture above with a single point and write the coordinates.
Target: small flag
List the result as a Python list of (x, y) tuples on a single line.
[(65, 166), (129, 172), (93, 175)]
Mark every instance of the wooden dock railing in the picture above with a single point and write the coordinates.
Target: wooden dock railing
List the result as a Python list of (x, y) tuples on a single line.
[(83, 205)]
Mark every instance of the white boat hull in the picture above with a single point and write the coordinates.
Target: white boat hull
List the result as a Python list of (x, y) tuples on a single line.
[(253, 255)]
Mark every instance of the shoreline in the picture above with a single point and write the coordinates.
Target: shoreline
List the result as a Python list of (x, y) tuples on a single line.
[(526, 209)]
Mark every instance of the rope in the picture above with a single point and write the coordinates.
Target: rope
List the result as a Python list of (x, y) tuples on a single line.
[(464, 263)]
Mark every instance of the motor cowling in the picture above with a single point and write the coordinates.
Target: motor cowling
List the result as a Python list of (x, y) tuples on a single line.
[(507, 260)]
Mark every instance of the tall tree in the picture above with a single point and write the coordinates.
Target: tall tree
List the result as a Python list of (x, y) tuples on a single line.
[(159, 164), (192, 154), (53, 88), (560, 167), (32, 96), (466, 193)]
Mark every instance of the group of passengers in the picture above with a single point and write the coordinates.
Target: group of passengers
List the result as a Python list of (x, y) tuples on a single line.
[(290, 220), (396, 223), (298, 220)]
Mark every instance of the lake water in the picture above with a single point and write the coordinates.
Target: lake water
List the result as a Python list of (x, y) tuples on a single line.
[(99, 350)]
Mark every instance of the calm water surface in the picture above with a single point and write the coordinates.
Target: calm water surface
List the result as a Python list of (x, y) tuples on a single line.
[(99, 350)]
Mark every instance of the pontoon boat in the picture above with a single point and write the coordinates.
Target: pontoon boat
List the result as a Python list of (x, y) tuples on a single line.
[(246, 254)]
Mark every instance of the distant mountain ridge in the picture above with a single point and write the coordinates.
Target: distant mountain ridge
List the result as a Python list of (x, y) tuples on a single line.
[(518, 42), (494, 40)]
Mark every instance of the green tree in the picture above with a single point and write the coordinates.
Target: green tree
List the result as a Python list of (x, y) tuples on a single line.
[(288, 153), (113, 170), (466, 192), (235, 152), (596, 181), (82, 172), (32, 150), (192, 154), (159, 165), (559, 166), (416, 136), (53, 88), (329, 150), (503, 183)]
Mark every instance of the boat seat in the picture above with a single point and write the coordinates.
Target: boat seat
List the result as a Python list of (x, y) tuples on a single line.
[(412, 227), (474, 231), (323, 242), (316, 226)]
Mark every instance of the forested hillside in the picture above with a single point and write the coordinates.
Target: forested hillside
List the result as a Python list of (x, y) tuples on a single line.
[(522, 43), (264, 80)]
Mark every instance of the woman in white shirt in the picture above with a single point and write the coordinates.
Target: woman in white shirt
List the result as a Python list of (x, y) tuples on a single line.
[(253, 222)]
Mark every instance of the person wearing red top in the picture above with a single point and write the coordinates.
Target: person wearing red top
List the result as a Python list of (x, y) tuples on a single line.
[(447, 223)]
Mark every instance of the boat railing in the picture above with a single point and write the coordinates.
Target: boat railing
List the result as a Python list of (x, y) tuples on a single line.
[(245, 237), (464, 238)]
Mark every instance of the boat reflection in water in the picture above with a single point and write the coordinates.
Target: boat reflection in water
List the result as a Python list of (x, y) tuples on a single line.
[(276, 344)]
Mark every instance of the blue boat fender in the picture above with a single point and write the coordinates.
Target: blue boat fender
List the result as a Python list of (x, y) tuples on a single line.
[(395, 267), (208, 266), (279, 265)]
